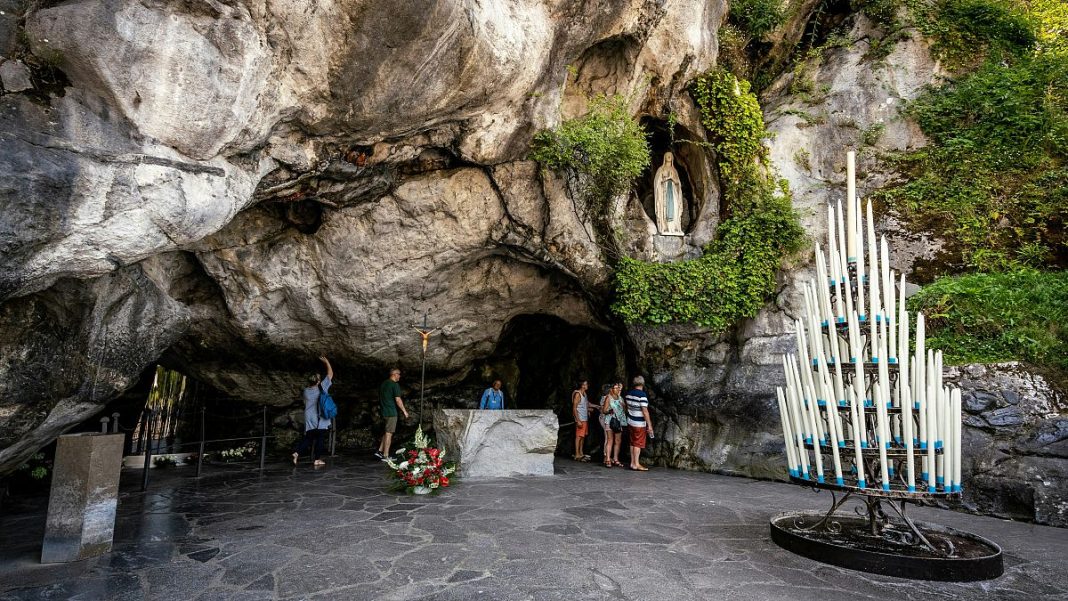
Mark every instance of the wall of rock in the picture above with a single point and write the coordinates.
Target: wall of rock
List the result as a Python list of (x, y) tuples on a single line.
[(234, 188)]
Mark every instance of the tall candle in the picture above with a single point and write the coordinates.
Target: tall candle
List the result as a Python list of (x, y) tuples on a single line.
[(851, 198), (834, 424), (794, 406), (874, 274), (788, 439), (856, 408), (835, 266), (861, 306), (932, 427), (812, 413), (811, 393), (843, 262), (957, 441), (919, 389)]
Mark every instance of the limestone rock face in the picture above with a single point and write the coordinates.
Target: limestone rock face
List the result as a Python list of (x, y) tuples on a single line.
[(230, 185), (494, 444)]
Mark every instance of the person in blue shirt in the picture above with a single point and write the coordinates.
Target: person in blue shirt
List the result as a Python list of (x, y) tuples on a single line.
[(493, 398)]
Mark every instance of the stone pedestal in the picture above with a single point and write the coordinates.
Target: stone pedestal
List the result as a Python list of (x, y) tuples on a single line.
[(491, 444), (85, 495)]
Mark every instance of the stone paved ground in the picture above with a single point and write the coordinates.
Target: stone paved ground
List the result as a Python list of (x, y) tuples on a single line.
[(586, 533)]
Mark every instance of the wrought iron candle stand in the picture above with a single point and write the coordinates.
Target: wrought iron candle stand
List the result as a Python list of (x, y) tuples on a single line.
[(879, 536)]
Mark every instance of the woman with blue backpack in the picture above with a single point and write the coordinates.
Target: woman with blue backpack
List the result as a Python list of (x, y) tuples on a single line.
[(319, 411)]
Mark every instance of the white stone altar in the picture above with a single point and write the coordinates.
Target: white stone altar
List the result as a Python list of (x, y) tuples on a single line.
[(491, 444)]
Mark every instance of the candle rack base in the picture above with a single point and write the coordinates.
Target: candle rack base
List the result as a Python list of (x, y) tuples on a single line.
[(880, 538)]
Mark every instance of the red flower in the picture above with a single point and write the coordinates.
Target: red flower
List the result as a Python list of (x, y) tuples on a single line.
[(433, 452), (444, 481)]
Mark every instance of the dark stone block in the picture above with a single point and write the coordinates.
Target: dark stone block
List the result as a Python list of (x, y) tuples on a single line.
[(1005, 417), (974, 404), (1011, 397)]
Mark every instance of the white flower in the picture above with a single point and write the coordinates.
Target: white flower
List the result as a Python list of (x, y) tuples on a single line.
[(403, 465)]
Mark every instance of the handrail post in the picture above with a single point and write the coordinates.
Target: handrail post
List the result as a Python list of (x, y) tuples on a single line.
[(104, 424), (148, 448), (333, 439), (263, 440), (115, 423), (200, 455)]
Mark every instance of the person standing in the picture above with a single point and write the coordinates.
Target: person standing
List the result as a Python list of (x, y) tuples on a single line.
[(580, 409), (315, 425), (612, 407), (639, 423), (493, 397), (389, 397)]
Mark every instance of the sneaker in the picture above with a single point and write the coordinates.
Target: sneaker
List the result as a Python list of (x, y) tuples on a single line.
[(380, 456)]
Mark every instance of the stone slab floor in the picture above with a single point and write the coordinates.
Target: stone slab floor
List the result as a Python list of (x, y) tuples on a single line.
[(586, 533)]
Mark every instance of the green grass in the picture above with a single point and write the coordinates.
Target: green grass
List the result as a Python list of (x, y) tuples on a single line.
[(991, 317)]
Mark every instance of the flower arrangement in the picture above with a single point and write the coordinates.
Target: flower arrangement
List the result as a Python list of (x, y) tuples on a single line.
[(240, 453), (422, 468)]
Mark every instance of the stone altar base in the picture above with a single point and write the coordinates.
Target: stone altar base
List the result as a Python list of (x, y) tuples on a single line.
[(84, 497), (491, 444)]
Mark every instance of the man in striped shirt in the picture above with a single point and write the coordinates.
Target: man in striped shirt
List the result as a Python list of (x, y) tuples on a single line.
[(639, 424)]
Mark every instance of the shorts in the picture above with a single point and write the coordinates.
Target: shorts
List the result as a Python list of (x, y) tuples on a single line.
[(391, 424), (582, 428), (637, 436)]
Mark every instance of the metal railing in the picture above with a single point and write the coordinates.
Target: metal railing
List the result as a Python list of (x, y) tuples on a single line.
[(204, 441)]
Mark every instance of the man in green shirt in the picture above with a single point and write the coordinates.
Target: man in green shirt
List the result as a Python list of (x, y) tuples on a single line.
[(389, 396)]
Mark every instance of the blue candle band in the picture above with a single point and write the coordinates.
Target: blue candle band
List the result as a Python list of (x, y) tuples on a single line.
[(793, 473), (931, 489), (912, 489), (938, 444), (821, 402), (861, 484), (923, 444), (841, 320), (841, 444), (892, 359), (940, 480), (923, 476), (886, 487), (897, 439), (820, 480), (863, 444), (824, 324), (874, 359), (842, 403), (823, 442), (878, 318), (840, 481)]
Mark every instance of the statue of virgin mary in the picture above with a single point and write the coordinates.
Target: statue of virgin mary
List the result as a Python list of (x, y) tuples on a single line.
[(668, 197)]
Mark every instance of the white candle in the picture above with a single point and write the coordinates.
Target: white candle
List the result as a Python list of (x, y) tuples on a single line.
[(919, 388), (851, 198), (905, 396), (880, 418), (873, 271), (856, 409), (787, 437), (812, 413), (932, 426), (957, 441), (835, 266), (833, 422), (812, 394), (861, 307), (794, 406), (843, 263)]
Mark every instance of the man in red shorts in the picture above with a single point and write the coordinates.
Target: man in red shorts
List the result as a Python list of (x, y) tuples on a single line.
[(639, 424)]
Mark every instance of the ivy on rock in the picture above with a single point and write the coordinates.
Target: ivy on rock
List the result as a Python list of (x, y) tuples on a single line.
[(735, 275)]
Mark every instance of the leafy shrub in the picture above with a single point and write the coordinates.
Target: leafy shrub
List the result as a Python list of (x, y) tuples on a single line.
[(164, 461), (966, 32), (984, 317), (736, 271), (757, 18), (607, 146)]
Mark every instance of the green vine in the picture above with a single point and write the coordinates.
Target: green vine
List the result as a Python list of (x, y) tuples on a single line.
[(736, 273)]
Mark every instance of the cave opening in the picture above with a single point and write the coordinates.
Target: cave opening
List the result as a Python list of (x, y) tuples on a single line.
[(540, 359), (687, 157)]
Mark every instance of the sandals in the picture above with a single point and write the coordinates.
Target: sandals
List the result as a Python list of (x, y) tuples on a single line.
[(296, 456), (640, 468), (617, 464), (583, 459)]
